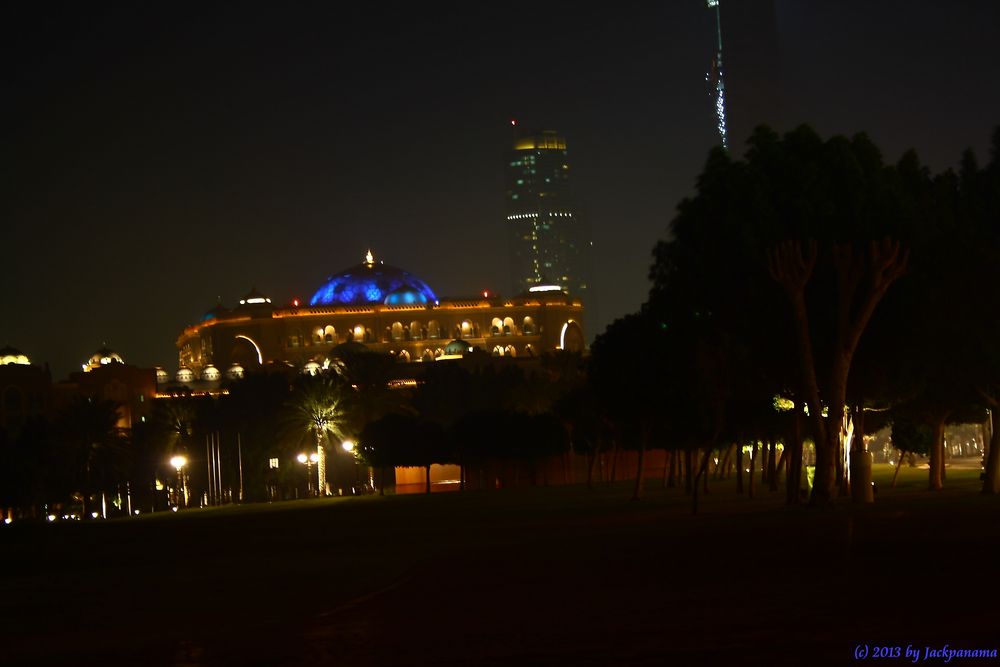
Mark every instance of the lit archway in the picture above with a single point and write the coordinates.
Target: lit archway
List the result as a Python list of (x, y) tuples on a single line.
[(260, 357)]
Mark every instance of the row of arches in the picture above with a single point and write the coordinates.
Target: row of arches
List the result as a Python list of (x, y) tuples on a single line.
[(416, 330), (431, 355)]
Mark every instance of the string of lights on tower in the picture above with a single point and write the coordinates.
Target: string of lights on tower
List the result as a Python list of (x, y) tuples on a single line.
[(715, 79)]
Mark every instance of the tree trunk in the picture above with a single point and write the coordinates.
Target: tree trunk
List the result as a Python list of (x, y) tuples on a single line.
[(825, 477), (643, 437), (666, 467), (85, 505), (841, 472), (781, 466), (739, 467), (704, 469), (935, 483), (753, 463), (701, 475), (762, 462), (672, 478), (861, 460), (722, 472), (427, 477), (899, 465), (614, 463), (793, 480), (772, 477), (688, 469), (991, 476), (944, 459), (381, 481), (590, 468)]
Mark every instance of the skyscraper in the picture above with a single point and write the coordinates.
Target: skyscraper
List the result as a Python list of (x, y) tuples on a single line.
[(549, 243)]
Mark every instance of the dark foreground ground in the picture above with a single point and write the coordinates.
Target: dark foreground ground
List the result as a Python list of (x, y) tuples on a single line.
[(560, 576)]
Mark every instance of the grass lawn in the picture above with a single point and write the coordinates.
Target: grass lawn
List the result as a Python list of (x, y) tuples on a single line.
[(560, 575)]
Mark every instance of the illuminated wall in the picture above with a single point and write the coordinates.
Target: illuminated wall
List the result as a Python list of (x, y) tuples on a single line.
[(301, 335)]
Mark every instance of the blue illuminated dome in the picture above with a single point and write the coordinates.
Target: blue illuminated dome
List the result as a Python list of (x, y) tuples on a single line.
[(371, 283)]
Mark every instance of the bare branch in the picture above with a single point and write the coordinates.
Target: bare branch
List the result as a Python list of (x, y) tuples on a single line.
[(790, 267)]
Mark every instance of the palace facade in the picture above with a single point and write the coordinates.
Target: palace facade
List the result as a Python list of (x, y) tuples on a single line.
[(383, 308)]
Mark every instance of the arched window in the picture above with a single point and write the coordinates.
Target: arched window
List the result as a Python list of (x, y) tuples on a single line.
[(433, 329), (468, 330), (403, 356), (509, 351), (497, 351), (496, 326), (359, 333), (508, 326), (528, 327), (571, 337), (318, 336), (416, 331), (529, 350), (396, 331), (329, 334)]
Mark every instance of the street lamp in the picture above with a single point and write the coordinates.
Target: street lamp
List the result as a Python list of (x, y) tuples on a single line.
[(348, 446), (309, 460), (179, 462)]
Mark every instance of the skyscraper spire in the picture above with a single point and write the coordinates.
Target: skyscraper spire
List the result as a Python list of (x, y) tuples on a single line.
[(715, 78)]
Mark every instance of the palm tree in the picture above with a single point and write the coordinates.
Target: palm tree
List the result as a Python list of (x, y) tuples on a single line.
[(89, 429), (317, 407), (175, 419)]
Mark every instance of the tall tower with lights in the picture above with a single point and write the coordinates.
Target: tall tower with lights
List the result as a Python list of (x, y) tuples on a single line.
[(716, 80), (549, 243)]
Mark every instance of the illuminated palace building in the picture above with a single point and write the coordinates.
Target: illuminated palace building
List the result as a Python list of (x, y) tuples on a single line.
[(383, 308), (549, 244)]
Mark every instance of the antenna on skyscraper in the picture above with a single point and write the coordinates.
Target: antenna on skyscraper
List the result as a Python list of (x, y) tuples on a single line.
[(715, 79)]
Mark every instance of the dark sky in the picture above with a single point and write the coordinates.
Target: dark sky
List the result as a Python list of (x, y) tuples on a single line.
[(156, 156)]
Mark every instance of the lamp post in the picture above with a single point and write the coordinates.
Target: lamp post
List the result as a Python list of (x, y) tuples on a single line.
[(309, 460), (179, 462)]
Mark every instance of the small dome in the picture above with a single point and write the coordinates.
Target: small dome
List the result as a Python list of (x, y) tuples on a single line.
[(405, 295), (11, 355), (372, 282), (457, 348), (184, 374), (210, 373), (162, 377), (215, 312), (235, 372), (104, 356)]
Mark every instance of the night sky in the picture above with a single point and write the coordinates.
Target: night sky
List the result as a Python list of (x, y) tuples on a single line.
[(157, 156)]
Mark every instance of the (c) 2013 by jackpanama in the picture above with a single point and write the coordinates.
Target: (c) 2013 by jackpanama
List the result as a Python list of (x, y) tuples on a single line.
[(919, 654)]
